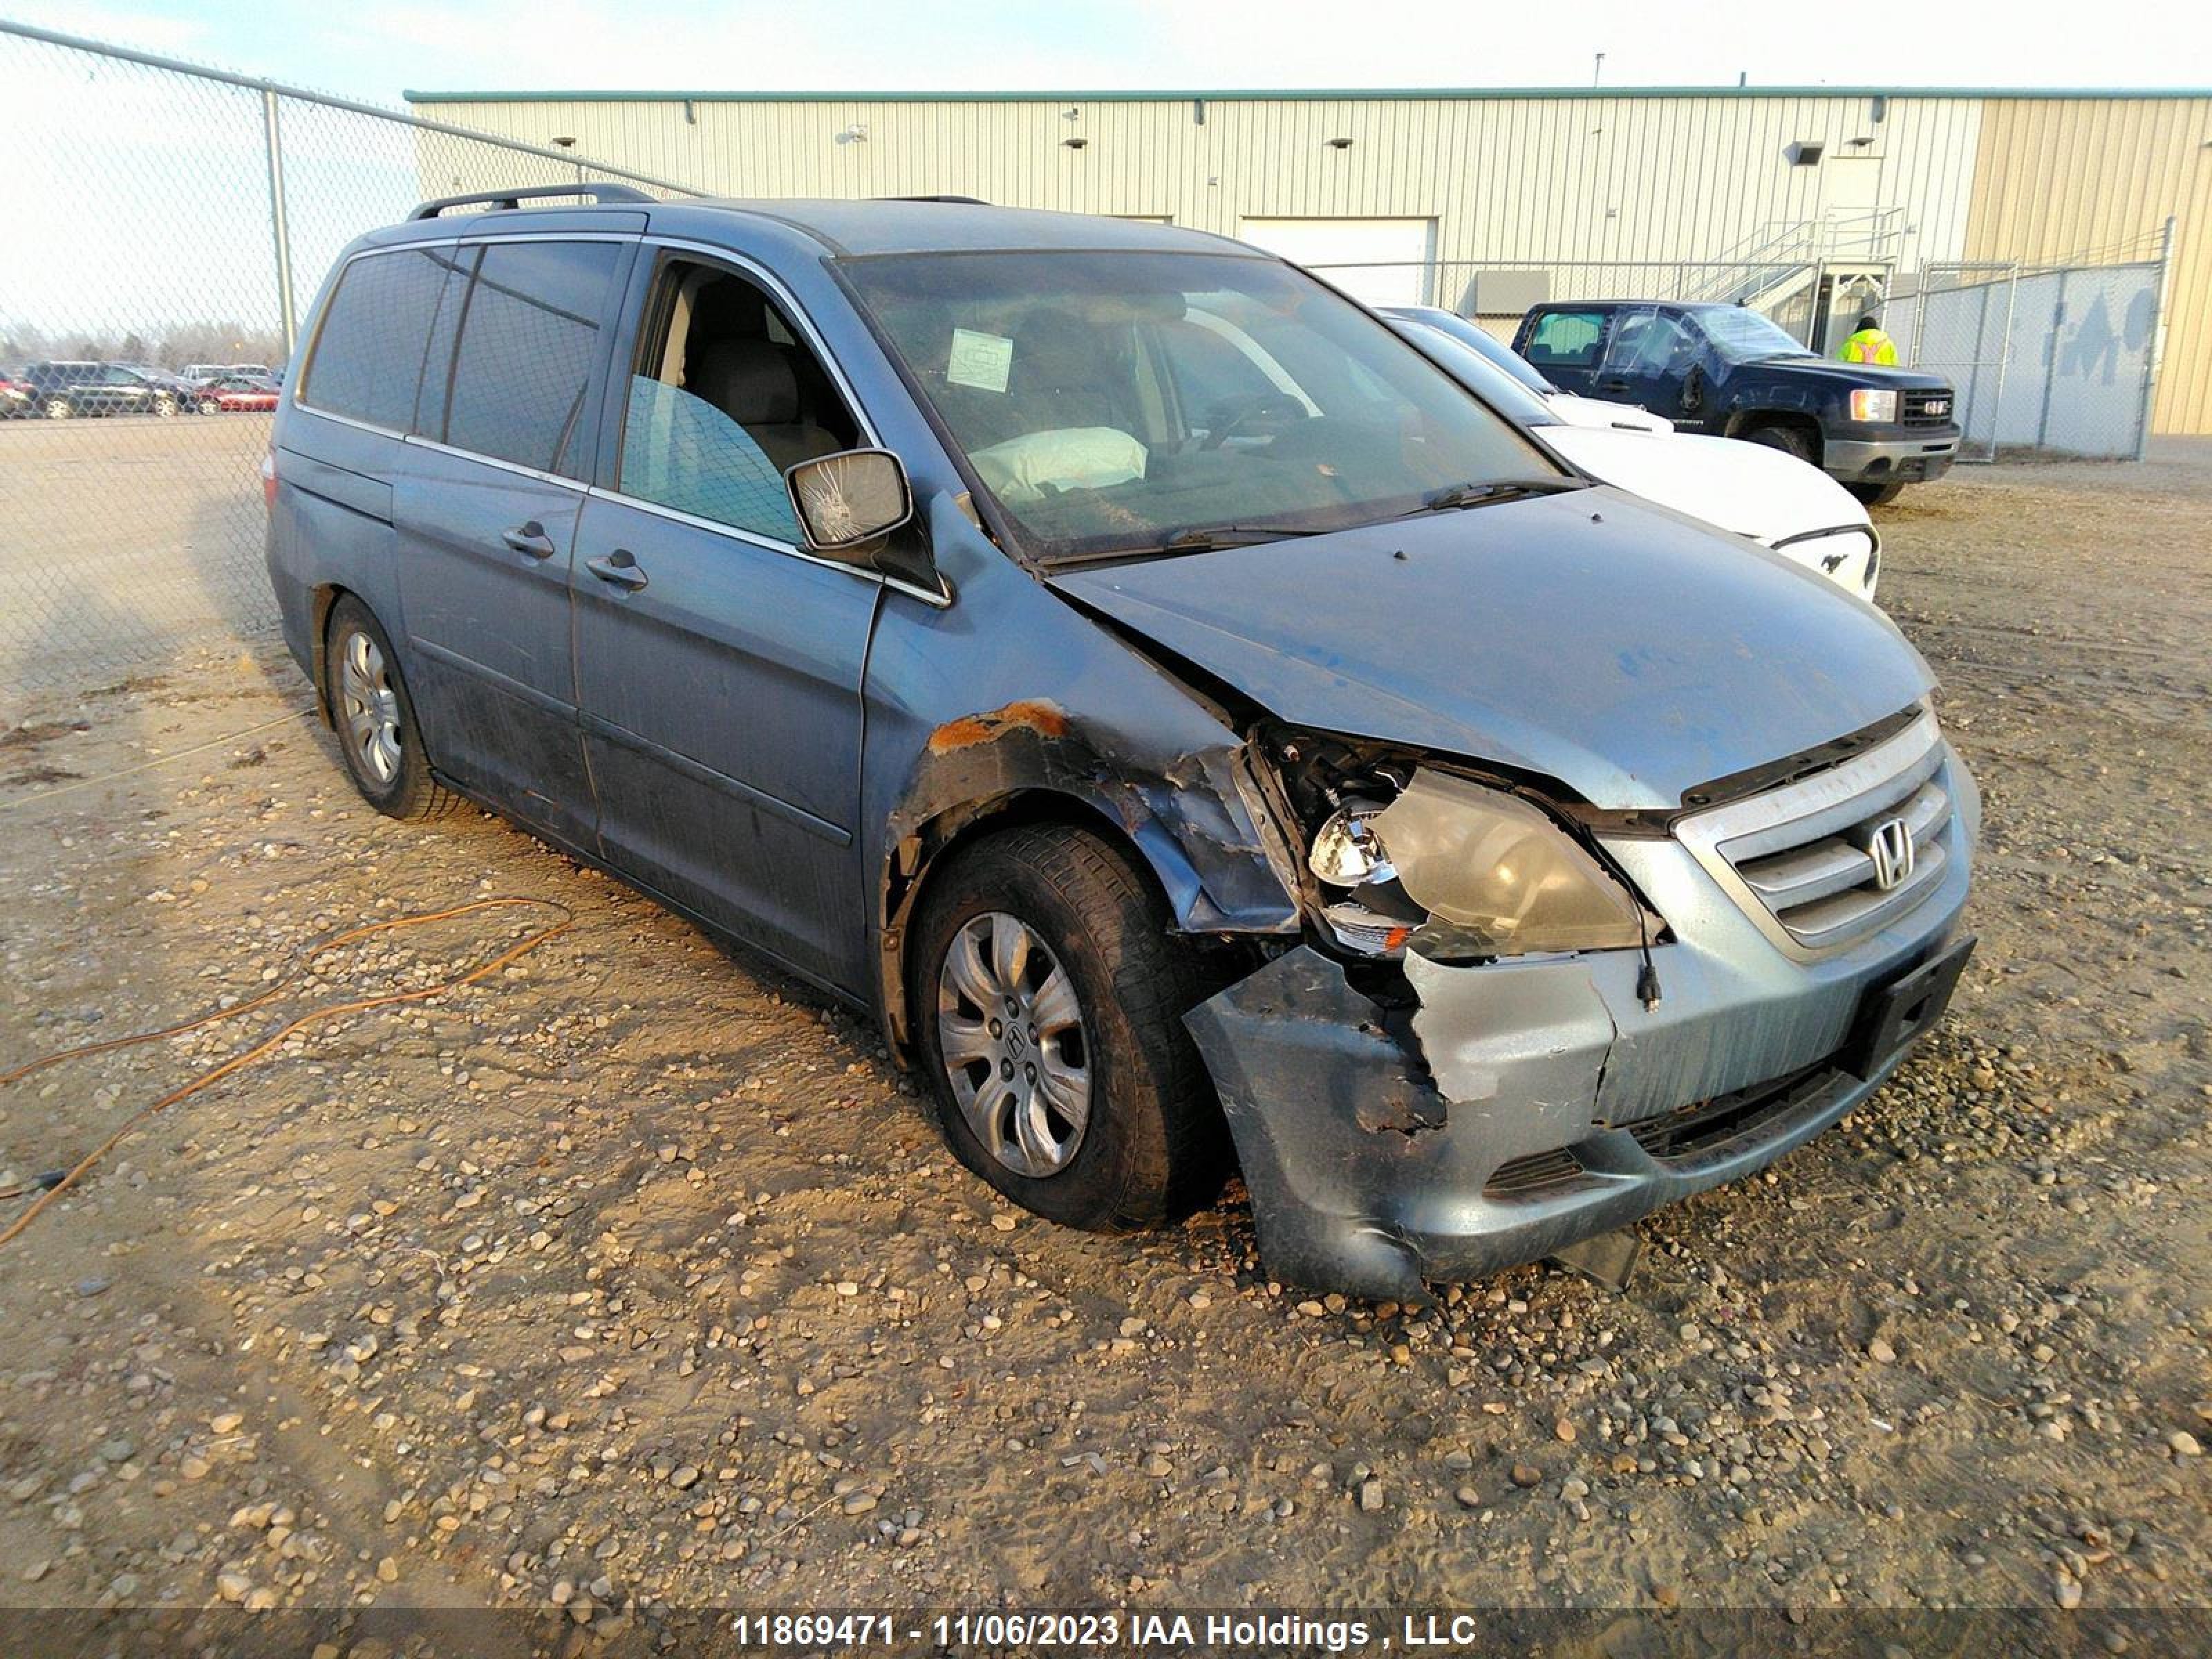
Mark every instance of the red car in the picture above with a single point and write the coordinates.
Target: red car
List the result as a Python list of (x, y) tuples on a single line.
[(228, 394)]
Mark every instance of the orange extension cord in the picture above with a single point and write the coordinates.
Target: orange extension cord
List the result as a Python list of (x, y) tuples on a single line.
[(269, 1045)]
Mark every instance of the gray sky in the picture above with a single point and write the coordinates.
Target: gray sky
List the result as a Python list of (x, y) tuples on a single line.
[(372, 49)]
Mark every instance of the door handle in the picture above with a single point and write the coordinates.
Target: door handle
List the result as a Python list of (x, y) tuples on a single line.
[(618, 568), (1615, 384), (531, 538)]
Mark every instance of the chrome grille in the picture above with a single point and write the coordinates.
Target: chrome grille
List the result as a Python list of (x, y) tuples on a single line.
[(1802, 857), (1928, 406)]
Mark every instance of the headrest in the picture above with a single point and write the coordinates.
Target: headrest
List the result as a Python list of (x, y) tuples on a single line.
[(749, 380)]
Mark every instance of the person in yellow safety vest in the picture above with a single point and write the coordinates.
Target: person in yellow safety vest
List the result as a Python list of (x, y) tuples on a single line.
[(1868, 344)]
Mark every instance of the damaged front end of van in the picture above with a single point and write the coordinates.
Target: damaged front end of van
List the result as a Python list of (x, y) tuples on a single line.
[(1565, 957)]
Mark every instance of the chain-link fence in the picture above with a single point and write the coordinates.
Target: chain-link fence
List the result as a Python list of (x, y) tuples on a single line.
[(2058, 359), (169, 227), (1807, 275), (1496, 292), (2047, 360)]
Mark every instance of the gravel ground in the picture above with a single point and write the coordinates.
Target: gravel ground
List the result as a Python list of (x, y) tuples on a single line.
[(632, 1279)]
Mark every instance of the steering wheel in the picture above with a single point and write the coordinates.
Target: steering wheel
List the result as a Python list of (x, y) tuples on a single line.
[(1279, 405)]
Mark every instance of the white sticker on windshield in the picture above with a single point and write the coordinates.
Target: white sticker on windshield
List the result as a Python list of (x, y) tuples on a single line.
[(980, 359)]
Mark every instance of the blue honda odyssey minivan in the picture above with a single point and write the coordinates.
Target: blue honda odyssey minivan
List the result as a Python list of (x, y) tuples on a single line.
[(1205, 733)]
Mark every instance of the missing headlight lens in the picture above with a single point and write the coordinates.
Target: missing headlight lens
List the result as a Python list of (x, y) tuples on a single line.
[(1473, 870), (1345, 851)]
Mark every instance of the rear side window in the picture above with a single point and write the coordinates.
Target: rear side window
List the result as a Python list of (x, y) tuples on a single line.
[(1566, 339), (368, 353), (529, 336)]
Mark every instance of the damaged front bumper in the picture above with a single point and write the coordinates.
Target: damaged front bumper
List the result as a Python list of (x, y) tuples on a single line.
[(1516, 1106)]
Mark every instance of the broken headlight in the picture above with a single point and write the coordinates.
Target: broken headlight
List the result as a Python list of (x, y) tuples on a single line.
[(1476, 871)]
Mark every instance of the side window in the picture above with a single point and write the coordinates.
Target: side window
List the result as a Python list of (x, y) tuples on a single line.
[(1648, 342), (368, 352), (1566, 339), (530, 333), (725, 398), (444, 332)]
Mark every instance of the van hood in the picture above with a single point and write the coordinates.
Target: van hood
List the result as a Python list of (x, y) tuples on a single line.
[(1623, 650)]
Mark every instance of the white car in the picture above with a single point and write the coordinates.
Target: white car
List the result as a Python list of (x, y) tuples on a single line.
[(216, 371), (1574, 411), (1773, 498)]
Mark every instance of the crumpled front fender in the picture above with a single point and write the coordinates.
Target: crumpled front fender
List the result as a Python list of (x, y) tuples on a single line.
[(1339, 1111)]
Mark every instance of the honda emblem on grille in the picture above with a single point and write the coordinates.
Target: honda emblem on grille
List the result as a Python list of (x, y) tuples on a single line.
[(1889, 844)]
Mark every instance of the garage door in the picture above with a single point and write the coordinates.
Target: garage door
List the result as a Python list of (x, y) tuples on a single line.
[(1385, 262)]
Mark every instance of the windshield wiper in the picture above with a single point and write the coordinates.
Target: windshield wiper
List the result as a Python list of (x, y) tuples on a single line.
[(1198, 538), (1497, 489), (1204, 538)]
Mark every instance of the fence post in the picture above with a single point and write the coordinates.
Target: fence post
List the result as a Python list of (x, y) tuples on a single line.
[(2154, 352), (2004, 360), (279, 231), (2050, 362)]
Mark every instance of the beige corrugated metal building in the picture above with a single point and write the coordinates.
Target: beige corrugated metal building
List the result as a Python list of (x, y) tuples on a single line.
[(1485, 199)]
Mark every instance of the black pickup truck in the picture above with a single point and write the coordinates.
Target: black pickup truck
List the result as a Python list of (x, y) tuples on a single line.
[(1730, 372)]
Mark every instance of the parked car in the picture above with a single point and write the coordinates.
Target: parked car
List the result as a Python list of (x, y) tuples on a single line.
[(16, 396), (61, 389), (183, 392), (1565, 405), (201, 372), (1730, 372), (230, 393), (950, 604), (1776, 500)]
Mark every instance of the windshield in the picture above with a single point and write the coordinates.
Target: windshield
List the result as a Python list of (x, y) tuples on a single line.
[(1743, 335), (1480, 375), (1111, 402)]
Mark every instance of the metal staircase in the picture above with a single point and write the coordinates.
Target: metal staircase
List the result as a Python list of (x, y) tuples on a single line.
[(1783, 260)]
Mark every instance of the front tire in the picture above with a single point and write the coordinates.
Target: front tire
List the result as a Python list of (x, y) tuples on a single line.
[(1790, 439), (375, 717), (1876, 495), (165, 407), (60, 409), (1047, 998)]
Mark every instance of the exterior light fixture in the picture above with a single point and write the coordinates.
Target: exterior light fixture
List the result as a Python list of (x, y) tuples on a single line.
[(1339, 143)]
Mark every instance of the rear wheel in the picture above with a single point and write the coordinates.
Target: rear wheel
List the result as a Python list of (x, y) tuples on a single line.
[(1047, 998), (58, 408), (209, 406), (375, 720), (1790, 439), (1876, 495), (165, 406)]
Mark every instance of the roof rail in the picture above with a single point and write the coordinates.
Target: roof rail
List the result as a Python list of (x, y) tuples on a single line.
[(965, 200), (515, 198)]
